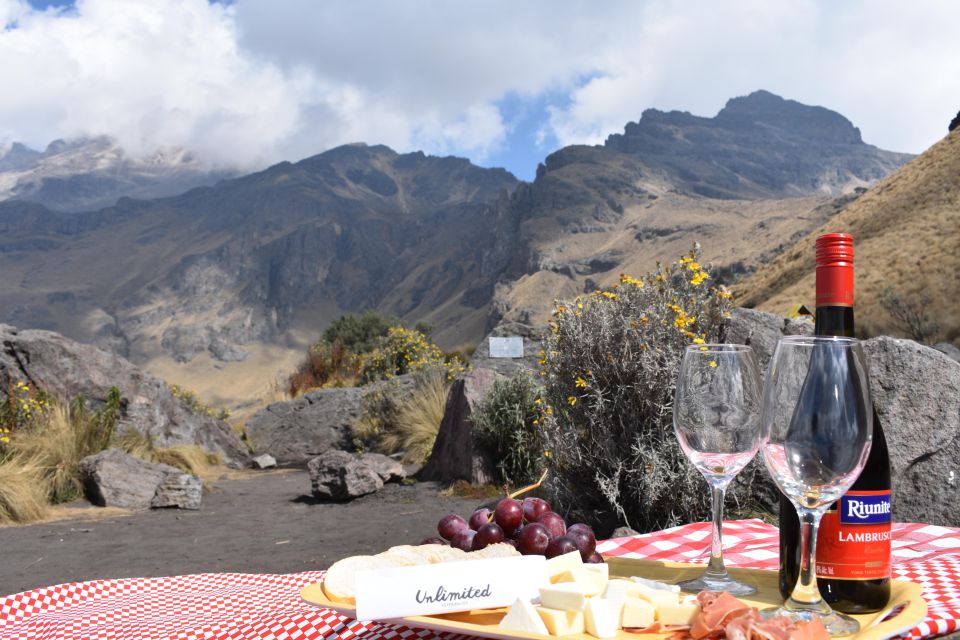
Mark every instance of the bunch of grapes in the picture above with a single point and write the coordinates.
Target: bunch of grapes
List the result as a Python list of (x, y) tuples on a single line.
[(529, 526)]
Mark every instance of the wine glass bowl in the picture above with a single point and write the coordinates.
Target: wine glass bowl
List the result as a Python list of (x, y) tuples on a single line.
[(716, 417), (817, 430)]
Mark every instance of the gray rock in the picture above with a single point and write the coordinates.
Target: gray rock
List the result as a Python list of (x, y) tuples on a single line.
[(180, 490), (263, 461), (114, 478), (68, 369), (532, 340), (454, 455), (623, 532), (762, 330), (386, 467), (949, 349), (338, 475), (916, 391), (296, 430)]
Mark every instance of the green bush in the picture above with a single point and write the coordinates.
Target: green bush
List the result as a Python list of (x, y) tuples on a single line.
[(404, 351), (359, 333), (507, 424), (609, 366)]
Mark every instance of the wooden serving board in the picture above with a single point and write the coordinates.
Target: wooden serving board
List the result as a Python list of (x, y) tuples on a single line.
[(904, 595)]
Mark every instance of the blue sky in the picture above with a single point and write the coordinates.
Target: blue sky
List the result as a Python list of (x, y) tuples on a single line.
[(250, 82)]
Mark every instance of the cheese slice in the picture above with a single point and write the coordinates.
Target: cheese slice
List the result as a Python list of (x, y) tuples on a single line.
[(655, 584), (593, 583), (561, 623), (561, 564), (682, 613), (637, 613), (598, 567), (567, 596), (601, 618), (618, 589), (657, 597), (523, 616)]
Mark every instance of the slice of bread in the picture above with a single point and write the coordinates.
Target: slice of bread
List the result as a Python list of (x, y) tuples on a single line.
[(340, 582)]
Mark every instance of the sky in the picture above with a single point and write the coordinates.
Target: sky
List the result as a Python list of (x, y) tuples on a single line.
[(247, 83)]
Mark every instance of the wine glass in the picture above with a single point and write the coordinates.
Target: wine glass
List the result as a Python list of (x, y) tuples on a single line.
[(716, 416), (817, 430)]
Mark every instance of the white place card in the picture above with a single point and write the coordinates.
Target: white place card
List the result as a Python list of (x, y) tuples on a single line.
[(445, 587), (509, 347)]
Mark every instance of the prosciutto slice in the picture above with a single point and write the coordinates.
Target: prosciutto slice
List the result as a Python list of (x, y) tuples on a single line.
[(724, 616)]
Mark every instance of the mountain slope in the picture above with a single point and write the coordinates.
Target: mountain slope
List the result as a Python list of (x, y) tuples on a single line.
[(907, 240), (90, 173)]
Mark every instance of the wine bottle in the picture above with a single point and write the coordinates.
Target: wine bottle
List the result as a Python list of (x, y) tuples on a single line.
[(853, 542)]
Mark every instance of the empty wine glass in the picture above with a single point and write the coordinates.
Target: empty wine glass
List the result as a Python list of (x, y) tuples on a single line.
[(716, 416), (817, 430)]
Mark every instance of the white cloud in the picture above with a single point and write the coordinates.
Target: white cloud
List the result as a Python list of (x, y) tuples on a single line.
[(258, 80)]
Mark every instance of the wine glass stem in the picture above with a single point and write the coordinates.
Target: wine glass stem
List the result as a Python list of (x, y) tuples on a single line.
[(716, 568), (806, 594)]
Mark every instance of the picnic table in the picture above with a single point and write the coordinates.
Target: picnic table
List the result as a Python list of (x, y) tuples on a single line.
[(235, 606)]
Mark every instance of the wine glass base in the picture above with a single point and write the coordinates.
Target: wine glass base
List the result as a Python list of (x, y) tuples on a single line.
[(708, 582), (837, 624)]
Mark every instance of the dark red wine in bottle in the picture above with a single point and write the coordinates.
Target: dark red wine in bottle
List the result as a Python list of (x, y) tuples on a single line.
[(853, 541)]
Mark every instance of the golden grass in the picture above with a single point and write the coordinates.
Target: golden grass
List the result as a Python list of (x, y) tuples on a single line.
[(54, 450), (23, 497), (418, 419), (190, 458)]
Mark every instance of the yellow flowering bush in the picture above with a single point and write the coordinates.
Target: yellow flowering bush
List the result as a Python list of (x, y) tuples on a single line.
[(609, 365), (403, 351), (24, 406)]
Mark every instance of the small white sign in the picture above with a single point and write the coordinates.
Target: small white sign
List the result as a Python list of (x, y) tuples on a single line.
[(446, 587), (509, 347)]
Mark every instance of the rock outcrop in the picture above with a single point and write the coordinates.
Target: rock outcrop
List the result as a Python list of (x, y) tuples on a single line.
[(338, 475), (455, 456), (114, 478), (68, 369), (532, 336), (762, 330)]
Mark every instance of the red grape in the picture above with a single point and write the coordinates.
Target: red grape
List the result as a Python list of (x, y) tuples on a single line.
[(533, 508), (449, 525), (560, 546), (509, 515), (534, 539), (433, 540), (488, 534), (479, 518), (595, 558), (512, 543), (584, 541), (554, 524), (463, 539)]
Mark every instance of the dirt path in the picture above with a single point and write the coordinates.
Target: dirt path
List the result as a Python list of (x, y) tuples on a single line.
[(265, 524)]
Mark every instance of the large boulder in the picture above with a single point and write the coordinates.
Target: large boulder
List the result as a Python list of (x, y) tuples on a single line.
[(916, 391), (387, 468), (68, 369), (114, 478), (293, 431), (338, 475), (455, 456), (532, 336), (761, 331)]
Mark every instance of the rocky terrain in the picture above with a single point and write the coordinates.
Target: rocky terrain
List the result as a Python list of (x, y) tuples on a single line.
[(90, 173), (221, 287)]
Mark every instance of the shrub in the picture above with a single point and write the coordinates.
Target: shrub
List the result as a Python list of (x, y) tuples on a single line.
[(23, 406), (507, 423), (403, 351), (326, 365), (609, 364), (195, 405), (359, 333), (22, 496), (396, 420), (911, 315)]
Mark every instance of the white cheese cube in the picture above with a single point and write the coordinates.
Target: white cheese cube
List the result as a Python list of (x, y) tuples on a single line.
[(682, 613), (601, 618), (617, 589), (593, 583), (657, 597), (561, 623), (560, 564), (523, 616), (655, 584), (598, 567), (637, 614), (566, 596)]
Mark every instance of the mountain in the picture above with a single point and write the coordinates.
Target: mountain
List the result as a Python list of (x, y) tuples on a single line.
[(906, 240), (220, 287), (90, 173)]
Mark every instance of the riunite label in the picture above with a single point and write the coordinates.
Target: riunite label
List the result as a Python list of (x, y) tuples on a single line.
[(853, 542)]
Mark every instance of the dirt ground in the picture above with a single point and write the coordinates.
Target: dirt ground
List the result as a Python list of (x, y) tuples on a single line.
[(264, 523)]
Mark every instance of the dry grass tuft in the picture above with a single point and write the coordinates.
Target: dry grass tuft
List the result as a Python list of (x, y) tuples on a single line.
[(22, 495), (190, 458), (55, 451)]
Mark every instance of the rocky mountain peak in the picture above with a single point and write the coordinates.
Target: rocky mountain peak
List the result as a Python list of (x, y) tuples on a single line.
[(811, 122)]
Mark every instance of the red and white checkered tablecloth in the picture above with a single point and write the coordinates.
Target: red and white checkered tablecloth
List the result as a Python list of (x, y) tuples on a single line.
[(257, 606)]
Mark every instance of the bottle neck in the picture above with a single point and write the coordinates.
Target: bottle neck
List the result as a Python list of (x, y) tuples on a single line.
[(834, 321)]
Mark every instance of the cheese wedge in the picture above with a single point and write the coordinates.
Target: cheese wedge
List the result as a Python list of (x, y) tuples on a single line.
[(601, 618), (560, 564), (637, 613), (561, 623), (566, 596), (682, 613), (593, 583), (523, 617)]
